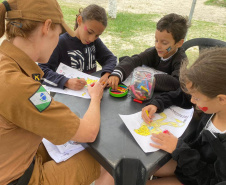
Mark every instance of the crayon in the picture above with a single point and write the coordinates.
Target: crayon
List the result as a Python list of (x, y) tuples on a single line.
[(134, 92), (122, 86), (117, 92), (112, 90), (138, 101), (142, 87), (92, 84), (150, 86), (147, 86), (147, 112), (166, 132)]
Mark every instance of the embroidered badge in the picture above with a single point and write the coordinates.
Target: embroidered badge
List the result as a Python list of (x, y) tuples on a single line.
[(41, 99), (36, 77)]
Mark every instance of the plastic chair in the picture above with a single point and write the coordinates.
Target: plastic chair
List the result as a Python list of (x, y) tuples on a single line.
[(203, 43)]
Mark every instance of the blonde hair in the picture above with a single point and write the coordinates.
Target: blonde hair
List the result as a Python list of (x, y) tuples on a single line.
[(207, 73)]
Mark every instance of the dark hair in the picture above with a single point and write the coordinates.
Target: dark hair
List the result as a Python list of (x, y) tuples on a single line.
[(92, 12), (207, 73), (175, 24)]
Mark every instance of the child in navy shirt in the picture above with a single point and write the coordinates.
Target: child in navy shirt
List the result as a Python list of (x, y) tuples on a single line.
[(82, 51)]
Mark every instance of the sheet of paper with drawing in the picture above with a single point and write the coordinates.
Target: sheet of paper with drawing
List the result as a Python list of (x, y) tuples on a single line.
[(173, 119), (73, 73), (63, 152)]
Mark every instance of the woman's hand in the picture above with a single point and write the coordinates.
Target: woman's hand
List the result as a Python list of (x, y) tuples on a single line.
[(96, 90)]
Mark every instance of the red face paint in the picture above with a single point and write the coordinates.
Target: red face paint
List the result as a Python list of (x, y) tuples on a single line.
[(204, 109), (85, 28)]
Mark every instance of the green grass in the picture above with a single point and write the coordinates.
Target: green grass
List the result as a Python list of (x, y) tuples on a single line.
[(129, 25), (130, 34), (221, 3)]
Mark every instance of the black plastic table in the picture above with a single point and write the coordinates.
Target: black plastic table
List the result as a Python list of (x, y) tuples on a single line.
[(115, 148)]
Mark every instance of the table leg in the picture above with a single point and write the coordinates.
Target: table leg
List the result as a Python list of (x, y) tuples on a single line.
[(130, 172)]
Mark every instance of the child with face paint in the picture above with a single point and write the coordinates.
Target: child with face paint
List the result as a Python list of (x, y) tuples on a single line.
[(198, 158), (82, 51), (166, 56)]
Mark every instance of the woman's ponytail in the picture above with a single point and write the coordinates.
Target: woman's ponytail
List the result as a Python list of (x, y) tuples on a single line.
[(2, 19)]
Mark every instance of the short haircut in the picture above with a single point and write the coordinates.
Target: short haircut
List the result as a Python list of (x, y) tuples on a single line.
[(175, 24)]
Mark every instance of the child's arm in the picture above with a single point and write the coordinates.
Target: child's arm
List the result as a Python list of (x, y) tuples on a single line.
[(167, 99), (148, 112), (51, 77), (128, 64), (104, 78), (75, 83), (165, 82), (113, 82)]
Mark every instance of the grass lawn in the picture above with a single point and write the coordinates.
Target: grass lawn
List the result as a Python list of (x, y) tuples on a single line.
[(216, 2)]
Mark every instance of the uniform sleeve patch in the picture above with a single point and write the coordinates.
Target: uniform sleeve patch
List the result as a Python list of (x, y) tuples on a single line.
[(41, 99)]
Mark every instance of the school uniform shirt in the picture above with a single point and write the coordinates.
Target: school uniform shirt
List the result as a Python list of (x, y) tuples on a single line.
[(72, 52), (28, 113), (150, 58), (200, 155)]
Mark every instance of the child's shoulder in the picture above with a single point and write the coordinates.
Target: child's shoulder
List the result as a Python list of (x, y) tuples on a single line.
[(180, 53)]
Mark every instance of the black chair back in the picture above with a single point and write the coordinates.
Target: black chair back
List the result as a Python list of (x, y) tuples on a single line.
[(203, 43)]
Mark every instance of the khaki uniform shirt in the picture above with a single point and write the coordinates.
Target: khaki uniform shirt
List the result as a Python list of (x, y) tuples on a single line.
[(27, 113)]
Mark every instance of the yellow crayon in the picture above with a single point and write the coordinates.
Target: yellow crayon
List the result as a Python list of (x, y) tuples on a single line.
[(147, 114), (142, 87)]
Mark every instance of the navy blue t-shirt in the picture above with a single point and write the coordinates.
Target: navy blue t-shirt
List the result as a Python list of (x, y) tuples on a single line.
[(72, 52)]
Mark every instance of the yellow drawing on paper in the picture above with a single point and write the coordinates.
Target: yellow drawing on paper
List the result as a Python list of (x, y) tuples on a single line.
[(90, 81), (155, 125)]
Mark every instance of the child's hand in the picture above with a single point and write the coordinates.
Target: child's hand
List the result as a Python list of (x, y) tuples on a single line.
[(165, 141), (147, 113), (75, 83), (113, 82), (104, 79)]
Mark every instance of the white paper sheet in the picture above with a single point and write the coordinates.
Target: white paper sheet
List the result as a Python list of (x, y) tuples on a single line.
[(73, 73), (173, 119), (63, 152)]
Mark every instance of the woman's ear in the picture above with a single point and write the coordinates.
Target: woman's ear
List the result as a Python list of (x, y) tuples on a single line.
[(47, 25), (222, 99)]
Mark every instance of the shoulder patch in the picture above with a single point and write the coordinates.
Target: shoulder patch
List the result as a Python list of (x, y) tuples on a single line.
[(36, 77), (41, 99)]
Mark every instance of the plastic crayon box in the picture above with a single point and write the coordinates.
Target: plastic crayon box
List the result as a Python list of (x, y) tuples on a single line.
[(142, 84), (120, 92)]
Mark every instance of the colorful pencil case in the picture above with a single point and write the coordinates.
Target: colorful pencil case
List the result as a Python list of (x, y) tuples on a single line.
[(120, 92)]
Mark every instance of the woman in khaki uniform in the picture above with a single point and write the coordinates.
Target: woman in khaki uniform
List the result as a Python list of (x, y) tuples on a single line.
[(28, 113)]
